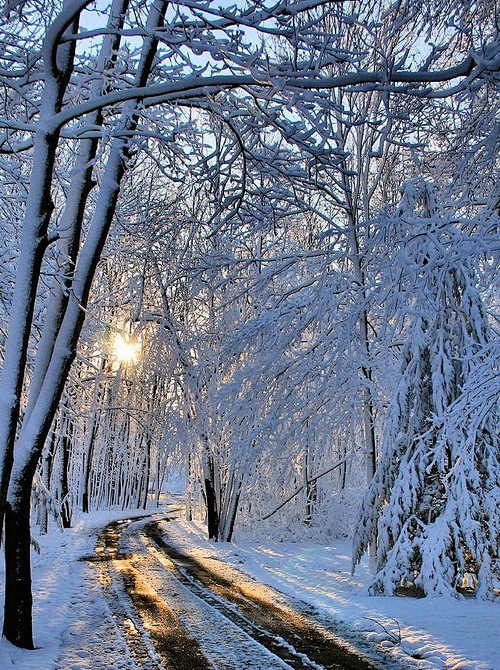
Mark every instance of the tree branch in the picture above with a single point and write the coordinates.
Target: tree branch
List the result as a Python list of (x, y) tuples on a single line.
[(297, 491)]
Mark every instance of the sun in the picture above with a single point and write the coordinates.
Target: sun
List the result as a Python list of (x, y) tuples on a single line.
[(125, 351)]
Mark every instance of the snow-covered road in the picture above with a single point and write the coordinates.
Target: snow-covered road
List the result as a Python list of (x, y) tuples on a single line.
[(129, 604), (179, 613)]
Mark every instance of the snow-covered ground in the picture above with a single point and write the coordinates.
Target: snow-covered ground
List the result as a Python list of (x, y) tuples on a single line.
[(75, 628)]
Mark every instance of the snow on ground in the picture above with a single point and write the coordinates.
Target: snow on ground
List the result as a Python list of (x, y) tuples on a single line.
[(74, 625), (446, 633)]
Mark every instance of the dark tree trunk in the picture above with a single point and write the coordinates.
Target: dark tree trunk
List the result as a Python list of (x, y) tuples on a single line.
[(212, 501), (65, 503), (310, 485), (232, 519), (43, 512), (18, 626), (88, 468), (146, 476), (212, 512)]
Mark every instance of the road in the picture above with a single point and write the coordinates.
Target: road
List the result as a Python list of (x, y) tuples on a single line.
[(185, 614)]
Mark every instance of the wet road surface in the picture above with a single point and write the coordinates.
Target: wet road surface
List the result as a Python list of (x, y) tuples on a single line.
[(180, 613)]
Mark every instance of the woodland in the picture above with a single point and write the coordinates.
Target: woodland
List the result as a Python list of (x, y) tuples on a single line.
[(255, 244)]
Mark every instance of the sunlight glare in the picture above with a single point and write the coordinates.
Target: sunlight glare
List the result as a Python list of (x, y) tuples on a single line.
[(124, 350)]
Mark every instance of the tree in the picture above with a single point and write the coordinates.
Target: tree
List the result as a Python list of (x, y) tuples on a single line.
[(433, 504)]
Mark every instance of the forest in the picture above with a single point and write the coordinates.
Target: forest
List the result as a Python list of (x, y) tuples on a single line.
[(254, 244)]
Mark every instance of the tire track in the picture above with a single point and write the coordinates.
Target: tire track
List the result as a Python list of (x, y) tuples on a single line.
[(289, 635), (141, 613), (179, 613)]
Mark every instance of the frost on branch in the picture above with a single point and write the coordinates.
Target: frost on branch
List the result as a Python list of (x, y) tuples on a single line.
[(433, 507)]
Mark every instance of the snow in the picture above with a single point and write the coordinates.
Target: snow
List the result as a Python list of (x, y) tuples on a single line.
[(76, 627)]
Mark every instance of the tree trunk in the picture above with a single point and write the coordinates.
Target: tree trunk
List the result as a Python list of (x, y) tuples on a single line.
[(212, 512), (189, 487), (311, 486), (89, 457), (18, 603), (232, 494), (231, 519), (39, 208), (47, 463), (145, 476), (311, 496), (211, 497), (66, 444), (18, 626)]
